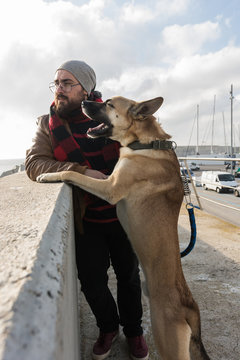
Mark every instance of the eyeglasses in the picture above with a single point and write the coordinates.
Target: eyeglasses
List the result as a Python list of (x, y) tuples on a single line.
[(64, 86)]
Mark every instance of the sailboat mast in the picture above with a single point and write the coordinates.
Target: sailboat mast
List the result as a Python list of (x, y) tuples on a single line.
[(231, 98), (197, 152), (214, 102), (239, 136), (224, 131)]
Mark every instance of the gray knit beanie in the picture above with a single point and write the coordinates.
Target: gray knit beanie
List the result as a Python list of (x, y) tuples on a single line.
[(82, 72)]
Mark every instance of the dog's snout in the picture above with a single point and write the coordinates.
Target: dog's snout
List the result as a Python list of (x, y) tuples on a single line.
[(84, 103), (89, 104)]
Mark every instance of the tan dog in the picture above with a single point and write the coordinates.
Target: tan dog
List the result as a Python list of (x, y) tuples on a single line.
[(147, 188)]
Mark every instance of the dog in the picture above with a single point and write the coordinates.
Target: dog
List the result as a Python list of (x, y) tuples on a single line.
[(147, 189)]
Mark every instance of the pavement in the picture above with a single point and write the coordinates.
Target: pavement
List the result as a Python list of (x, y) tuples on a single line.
[(212, 271)]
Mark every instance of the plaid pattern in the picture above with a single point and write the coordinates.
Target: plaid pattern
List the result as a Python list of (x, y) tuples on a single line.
[(99, 154)]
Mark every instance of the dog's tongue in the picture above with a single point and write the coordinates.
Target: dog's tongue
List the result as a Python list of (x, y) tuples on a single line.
[(95, 128)]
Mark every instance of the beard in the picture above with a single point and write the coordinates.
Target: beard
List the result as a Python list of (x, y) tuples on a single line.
[(64, 106)]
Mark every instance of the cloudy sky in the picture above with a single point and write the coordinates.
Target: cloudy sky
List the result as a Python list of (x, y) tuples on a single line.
[(187, 51)]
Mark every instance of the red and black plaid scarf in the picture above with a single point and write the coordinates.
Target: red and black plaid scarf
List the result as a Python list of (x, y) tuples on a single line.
[(65, 146)]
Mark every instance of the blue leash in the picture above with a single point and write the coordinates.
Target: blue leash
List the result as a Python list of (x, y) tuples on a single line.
[(193, 229)]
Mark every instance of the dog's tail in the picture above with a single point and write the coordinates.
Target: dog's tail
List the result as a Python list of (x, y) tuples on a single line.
[(197, 349)]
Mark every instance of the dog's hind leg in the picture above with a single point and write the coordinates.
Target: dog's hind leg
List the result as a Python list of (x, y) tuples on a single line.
[(171, 335), (197, 349)]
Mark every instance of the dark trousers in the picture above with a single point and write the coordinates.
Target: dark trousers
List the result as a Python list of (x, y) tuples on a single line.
[(100, 246)]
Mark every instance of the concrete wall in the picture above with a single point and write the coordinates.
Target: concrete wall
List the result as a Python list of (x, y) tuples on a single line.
[(38, 284)]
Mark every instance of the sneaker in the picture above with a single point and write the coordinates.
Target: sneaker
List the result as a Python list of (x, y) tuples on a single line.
[(102, 346), (138, 348)]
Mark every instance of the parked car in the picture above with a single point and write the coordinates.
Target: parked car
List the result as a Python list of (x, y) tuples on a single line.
[(218, 180), (185, 172), (197, 180), (237, 191), (237, 173), (194, 167)]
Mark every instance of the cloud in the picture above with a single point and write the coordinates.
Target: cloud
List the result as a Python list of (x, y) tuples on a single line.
[(37, 44), (16, 134), (180, 41), (193, 80), (136, 14), (175, 7), (142, 13), (138, 49)]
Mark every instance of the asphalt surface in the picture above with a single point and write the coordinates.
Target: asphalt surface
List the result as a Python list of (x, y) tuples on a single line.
[(226, 206)]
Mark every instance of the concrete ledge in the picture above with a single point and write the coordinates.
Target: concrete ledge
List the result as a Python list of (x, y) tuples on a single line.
[(38, 285)]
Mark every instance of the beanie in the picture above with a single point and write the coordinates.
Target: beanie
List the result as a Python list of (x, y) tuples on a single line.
[(82, 72)]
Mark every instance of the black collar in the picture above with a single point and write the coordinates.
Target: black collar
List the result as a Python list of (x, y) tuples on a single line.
[(156, 145)]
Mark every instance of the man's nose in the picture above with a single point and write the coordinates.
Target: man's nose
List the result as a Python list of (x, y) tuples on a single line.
[(59, 88)]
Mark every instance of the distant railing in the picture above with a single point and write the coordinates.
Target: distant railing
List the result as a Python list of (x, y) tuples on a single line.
[(208, 158)]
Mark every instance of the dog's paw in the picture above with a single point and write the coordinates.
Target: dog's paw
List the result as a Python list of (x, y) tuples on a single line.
[(48, 177)]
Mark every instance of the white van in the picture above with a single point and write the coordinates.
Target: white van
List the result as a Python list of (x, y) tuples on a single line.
[(218, 180)]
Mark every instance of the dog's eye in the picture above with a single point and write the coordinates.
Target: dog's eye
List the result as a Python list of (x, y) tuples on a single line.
[(110, 105)]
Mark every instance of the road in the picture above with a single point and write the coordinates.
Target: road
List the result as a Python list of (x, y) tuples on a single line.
[(226, 206)]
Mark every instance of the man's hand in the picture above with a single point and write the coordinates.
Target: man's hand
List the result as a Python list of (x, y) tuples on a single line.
[(95, 174)]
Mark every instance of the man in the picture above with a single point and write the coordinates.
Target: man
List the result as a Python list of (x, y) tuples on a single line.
[(60, 144)]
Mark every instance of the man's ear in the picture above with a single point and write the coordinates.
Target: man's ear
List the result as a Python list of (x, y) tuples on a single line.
[(145, 108)]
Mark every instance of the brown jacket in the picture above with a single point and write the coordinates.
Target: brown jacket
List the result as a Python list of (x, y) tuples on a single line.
[(40, 159)]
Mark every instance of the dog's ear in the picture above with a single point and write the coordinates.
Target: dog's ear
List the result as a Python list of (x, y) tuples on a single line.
[(145, 108)]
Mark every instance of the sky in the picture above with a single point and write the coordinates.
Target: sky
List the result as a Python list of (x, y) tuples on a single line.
[(187, 51)]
